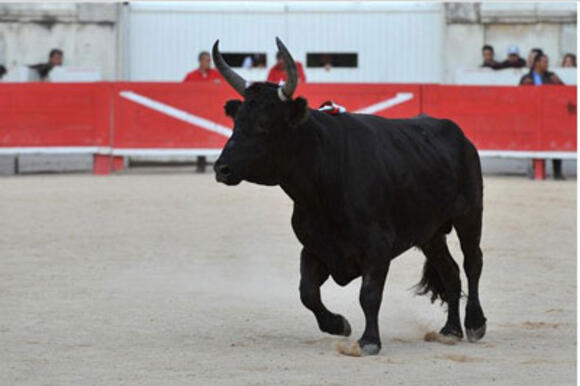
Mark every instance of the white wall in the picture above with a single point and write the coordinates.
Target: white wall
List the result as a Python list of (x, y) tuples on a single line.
[(85, 32), (395, 42)]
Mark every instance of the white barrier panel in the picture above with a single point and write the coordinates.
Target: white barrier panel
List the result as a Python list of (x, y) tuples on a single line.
[(20, 74), (74, 74), (506, 77)]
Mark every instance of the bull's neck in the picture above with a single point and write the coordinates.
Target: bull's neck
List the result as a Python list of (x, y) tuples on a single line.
[(302, 169)]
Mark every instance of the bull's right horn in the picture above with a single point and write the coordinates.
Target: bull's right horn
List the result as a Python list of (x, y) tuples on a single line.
[(237, 82)]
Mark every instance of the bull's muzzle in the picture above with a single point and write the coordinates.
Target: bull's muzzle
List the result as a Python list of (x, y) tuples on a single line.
[(224, 174)]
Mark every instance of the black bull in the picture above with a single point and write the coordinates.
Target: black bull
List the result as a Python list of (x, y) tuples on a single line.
[(365, 190)]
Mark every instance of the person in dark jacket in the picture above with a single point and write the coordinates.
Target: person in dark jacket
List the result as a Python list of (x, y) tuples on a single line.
[(55, 58), (538, 76), (513, 58), (488, 57)]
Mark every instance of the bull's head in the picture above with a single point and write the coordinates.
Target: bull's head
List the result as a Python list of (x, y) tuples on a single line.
[(262, 123)]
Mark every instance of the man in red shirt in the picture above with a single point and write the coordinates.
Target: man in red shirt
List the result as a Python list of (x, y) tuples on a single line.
[(204, 72), (278, 73)]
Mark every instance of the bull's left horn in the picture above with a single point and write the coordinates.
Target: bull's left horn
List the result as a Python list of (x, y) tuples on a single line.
[(237, 82), (287, 90)]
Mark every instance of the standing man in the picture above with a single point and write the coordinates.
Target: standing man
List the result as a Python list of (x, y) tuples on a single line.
[(277, 73), (204, 72), (539, 73), (538, 76)]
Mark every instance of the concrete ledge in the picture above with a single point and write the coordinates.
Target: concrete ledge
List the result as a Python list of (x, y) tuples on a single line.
[(522, 167), (528, 12), (38, 163), (461, 13), (39, 12), (97, 13), (7, 165)]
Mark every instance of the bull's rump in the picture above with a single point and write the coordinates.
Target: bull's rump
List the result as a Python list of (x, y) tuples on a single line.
[(416, 174)]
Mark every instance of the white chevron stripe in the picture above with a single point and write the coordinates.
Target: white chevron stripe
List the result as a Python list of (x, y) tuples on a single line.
[(398, 99), (177, 113)]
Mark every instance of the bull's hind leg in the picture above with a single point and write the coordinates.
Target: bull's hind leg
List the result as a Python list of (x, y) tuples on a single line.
[(441, 277), (313, 275), (468, 230)]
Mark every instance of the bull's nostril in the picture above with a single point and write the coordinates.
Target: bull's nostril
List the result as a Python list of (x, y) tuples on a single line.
[(223, 170)]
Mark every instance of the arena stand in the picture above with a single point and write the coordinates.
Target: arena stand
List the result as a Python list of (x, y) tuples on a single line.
[(114, 120)]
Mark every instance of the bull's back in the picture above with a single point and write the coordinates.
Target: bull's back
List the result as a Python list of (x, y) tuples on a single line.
[(428, 166)]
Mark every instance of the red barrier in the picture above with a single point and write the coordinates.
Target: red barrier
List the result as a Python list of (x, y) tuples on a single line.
[(508, 118), (558, 119), (123, 118), (44, 114), (138, 125), (145, 118)]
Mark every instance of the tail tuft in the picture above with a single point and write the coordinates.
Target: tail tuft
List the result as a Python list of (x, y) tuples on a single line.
[(431, 282)]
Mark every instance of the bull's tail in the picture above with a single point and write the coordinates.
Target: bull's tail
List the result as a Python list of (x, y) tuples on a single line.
[(431, 282)]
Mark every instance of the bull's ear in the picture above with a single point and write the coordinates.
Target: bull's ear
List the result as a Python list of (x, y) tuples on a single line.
[(298, 111), (231, 107)]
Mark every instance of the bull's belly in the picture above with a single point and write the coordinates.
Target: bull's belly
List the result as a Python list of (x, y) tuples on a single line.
[(344, 257), (343, 266)]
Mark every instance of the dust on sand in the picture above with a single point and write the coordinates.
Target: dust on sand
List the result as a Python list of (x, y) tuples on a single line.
[(175, 279), (433, 336)]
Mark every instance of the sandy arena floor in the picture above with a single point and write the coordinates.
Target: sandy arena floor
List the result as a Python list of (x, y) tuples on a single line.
[(176, 280)]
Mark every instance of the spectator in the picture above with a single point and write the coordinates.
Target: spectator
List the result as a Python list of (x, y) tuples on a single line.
[(277, 73), (513, 58), (488, 57), (55, 58), (204, 72), (2, 71), (531, 56), (569, 60), (539, 75)]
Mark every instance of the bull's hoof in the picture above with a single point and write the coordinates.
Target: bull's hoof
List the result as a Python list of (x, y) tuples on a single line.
[(475, 334), (358, 349), (452, 332), (369, 349)]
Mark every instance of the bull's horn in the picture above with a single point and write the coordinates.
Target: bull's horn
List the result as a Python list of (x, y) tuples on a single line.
[(287, 90), (237, 82)]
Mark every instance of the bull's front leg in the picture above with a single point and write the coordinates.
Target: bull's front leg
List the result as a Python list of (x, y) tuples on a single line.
[(312, 275), (371, 296)]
